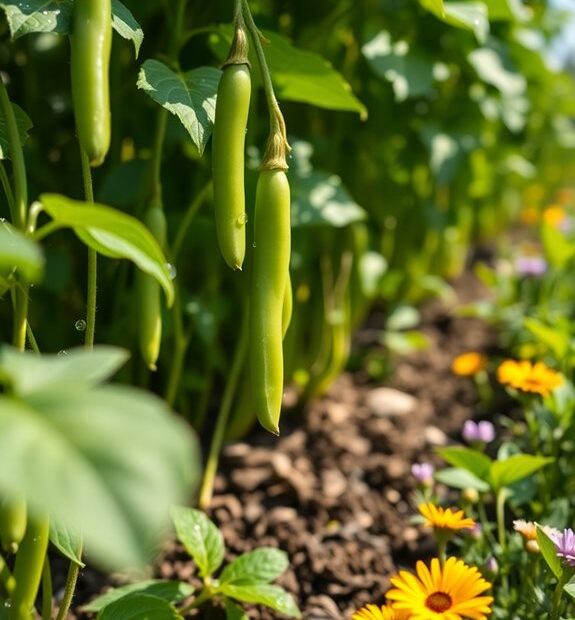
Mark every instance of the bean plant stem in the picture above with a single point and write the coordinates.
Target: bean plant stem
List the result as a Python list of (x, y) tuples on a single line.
[(47, 591), (240, 354), (92, 279), (188, 218), (6, 187), (71, 580)]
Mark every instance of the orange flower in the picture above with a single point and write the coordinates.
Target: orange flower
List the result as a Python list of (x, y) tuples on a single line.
[(528, 377), (468, 364), (448, 592), (374, 612), (444, 519), (529, 216), (527, 529), (554, 215)]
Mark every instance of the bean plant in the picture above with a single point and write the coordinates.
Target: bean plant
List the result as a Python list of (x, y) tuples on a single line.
[(358, 149)]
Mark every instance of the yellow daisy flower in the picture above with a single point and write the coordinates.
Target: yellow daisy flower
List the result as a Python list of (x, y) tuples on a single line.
[(451, 592), (444, 519), (468, 364), (528, 377), (374, 612), (554, 215)]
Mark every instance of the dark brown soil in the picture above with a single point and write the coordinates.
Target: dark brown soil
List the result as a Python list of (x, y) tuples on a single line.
[(335, 490)]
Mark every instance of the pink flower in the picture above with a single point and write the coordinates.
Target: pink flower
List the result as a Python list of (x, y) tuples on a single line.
[(483, 431), (423, 473)]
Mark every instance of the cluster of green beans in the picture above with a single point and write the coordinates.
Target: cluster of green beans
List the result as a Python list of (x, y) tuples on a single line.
[(270, 297)]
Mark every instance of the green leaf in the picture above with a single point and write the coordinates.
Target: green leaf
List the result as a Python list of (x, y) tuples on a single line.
[(69, 456), (24, 125), (461, 479), (506, 10), (80, 368), (557, 248), (234, 612), (469, 16), (20, 252), (271, 596), (472, 460), (37, 16), (201, 538), (122, 234), (494, 67), (549, 552), (172, 591), (409, 72), (553, 339), (320, 199), (434, 6), (262, 565), (570, 590), (139, 607), (298, 74), (126, 26), (515, 468), (67, 539), (190, 96)]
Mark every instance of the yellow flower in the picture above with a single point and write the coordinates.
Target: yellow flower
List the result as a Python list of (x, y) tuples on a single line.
[(554, 215), (451, 592), (445, 519), (528, 377), (374, 612), (529, 216), (468, 364)]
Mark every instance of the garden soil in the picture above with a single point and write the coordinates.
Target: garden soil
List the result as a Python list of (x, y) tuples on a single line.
[(335, 490)]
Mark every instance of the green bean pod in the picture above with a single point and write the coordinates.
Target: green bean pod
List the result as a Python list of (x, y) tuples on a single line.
[(148, 295), (91, 43), (13, 519), (287, 308), (270, 273), (229, 136)]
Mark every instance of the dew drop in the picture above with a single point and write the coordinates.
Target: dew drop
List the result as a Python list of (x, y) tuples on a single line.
[(254, 244), (241, 220), (172, 271), (80, 325)]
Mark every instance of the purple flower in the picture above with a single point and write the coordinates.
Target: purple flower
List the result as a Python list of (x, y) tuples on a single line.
[(533, 266), (565, 545), (423, 473), (478, 431), (492, 566)]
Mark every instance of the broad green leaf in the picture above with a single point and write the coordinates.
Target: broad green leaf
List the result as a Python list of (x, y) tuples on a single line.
[(24, 125), (409, 72), (298, 74), (403, 317), (320, 199), (461, 479), (261, 565), (201, 538), (37, 16), (435, 6), (570, 590), (554, 339), (557, 248), (515, 468), (67, 539), (469, 16), (271, 596), (506, 10), (472, 460), (20, 252), (549, 552), (80, 368), (126, 26), (403, 343), (172, 591), (122, 234), (190, 96), (69, 456), (234, 612), (139, 607)]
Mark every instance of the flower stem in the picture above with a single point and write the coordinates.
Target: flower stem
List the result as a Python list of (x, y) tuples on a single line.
[(240, 354), (565, 575), (47, 591)]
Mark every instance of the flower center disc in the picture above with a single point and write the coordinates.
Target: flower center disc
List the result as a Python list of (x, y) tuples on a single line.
[(438, 601)]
